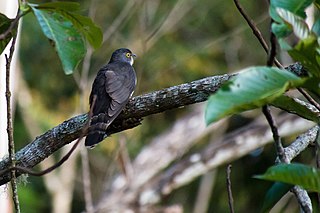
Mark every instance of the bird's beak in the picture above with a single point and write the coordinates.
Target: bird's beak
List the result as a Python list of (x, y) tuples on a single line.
[(132, 58)]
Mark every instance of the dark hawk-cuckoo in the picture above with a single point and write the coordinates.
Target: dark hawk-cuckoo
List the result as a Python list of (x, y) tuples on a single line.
[(111, 90)]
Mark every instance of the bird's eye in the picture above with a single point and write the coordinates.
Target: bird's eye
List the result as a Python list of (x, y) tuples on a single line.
[(128, 55)]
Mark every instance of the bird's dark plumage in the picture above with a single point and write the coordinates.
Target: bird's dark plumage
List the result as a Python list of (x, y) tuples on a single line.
[(112, 88)]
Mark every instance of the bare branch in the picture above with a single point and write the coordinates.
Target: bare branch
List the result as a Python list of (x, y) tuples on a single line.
[(275, 133), (137, 108), (303, 199)]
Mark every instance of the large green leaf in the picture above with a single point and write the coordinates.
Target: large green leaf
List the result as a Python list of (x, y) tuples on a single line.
[(251, 88), (67, 30), (84, 24), (296, 107), (66, 39), (5, 23), (296, 174), (295, 6), (274, 194)]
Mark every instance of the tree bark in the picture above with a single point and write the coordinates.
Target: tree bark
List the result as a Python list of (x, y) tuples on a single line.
[(137, 108)]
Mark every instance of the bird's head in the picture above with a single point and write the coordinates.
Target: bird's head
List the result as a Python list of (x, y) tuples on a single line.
[(123, 55)]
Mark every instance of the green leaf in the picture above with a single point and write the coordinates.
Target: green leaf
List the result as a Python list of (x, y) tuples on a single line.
[(281, 30), (274, 15), (67, 41), (5, 23), (317, 3), (83, 24), (316, 27), (312, 84), (296, 107), (251, 88), (296, 174), (274, 194), (295, 6), (306, 53), (89, 29), (67, 6), (300, 28), (67, 30)]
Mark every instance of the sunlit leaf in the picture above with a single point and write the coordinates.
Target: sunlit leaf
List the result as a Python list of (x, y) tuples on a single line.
[(66, 39), (300, 28), (5, 23), (295, 6), (296, 174), (251, 88), (274, 194)]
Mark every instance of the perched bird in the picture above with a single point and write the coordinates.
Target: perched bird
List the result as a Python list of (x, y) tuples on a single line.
[(111, 90)]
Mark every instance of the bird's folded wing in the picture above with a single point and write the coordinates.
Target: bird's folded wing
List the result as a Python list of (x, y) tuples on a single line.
[(119, 88)]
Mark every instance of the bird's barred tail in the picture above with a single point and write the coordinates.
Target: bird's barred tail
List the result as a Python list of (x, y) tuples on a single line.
[(97, 130), (93, 139)]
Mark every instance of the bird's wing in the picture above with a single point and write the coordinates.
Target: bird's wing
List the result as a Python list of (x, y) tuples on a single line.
[(98, 90), (119, 86)]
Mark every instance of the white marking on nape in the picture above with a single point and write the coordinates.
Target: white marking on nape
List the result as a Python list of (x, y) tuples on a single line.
[(131, 60)]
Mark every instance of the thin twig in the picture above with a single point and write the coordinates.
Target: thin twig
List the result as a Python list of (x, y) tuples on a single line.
[(255, 31), (83, 84), (11, 148), (309, 98), (317, 147), (13, 25), (266, 110), (59, 163), (230, 198), (273, 49), (46, 171), (275, 133)]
